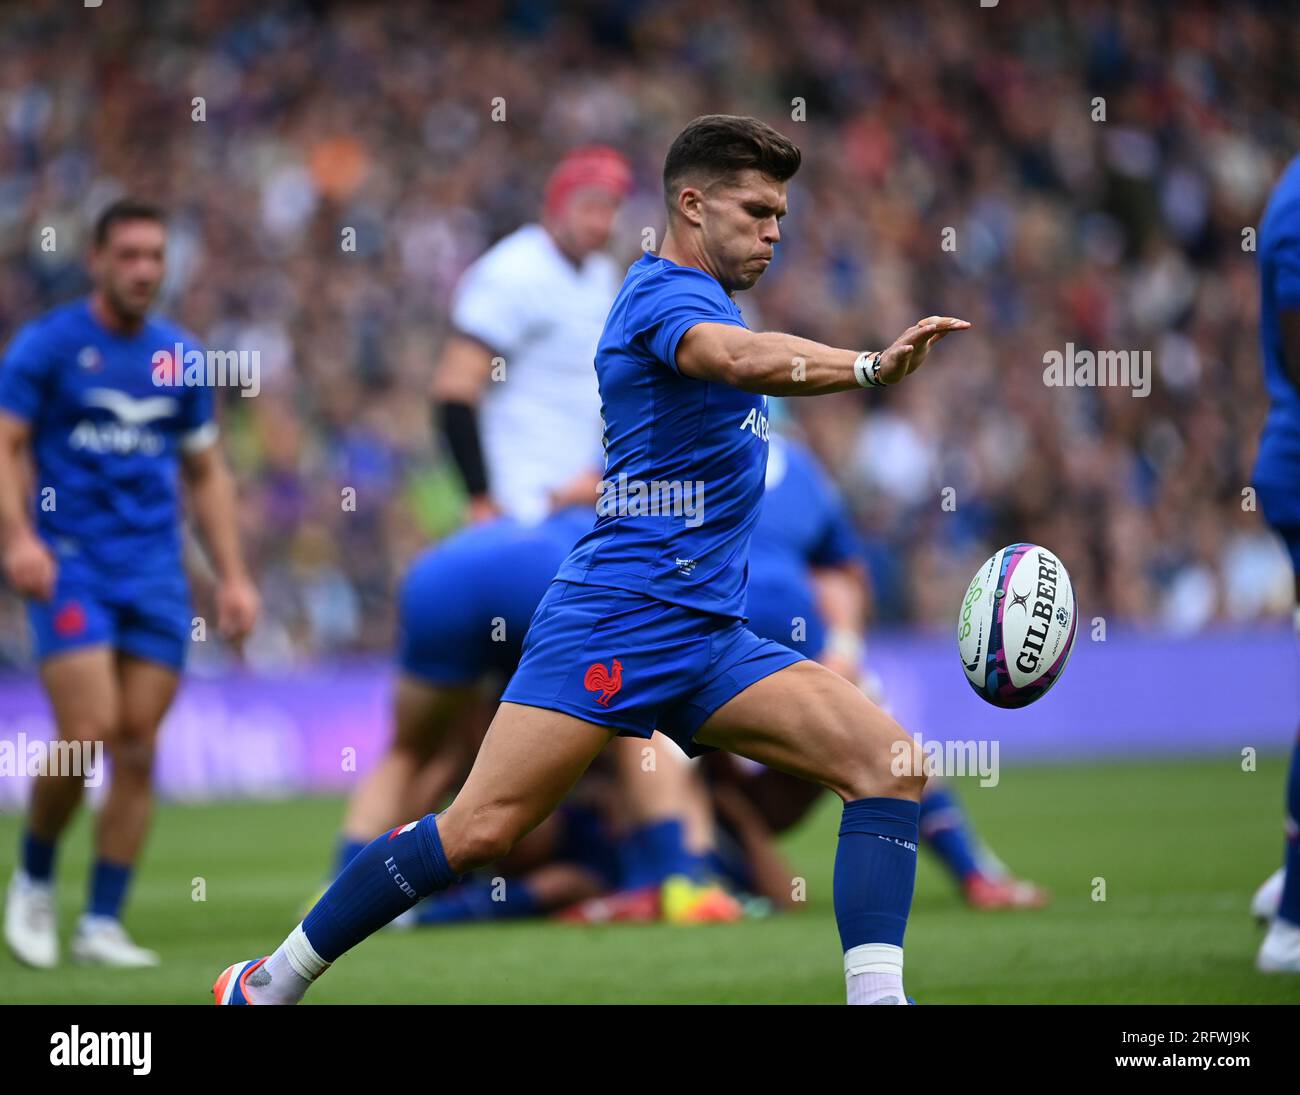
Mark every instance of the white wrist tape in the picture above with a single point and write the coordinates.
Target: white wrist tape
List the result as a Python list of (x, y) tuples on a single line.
[(866, 369)]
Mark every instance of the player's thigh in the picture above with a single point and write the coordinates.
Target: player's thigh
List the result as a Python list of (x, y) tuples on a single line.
[(84, 693), (147, 689), (812, 723), (529, 760)]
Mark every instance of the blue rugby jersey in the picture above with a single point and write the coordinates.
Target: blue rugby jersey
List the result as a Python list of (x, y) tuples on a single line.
[(684, 458), (105, 437), (804, 524)]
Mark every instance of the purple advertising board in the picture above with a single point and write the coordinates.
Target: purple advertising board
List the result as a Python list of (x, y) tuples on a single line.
[(1133, 695)]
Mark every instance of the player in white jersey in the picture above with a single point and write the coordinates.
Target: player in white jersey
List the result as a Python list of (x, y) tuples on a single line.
[(515, 385)]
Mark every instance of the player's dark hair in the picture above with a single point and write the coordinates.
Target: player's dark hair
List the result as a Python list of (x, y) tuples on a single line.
[(715, 146), (125, 209)]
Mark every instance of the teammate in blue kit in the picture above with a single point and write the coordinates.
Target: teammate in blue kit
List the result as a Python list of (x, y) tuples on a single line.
[(642, 626), (101, 563), (1277, 483)]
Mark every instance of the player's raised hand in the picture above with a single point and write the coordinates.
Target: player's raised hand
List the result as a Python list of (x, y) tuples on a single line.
[(911, 348), (238, 604), (30, 567)]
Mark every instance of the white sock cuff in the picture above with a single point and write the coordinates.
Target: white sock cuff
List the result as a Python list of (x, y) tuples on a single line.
[(300, 954), (873, 958)]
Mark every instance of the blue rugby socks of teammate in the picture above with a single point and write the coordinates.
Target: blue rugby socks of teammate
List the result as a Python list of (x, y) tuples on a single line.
[(387, 877), (109, 881), (944, 828), (349, 847), (108, 885), (655, 851), (37, 858), (875, 873)]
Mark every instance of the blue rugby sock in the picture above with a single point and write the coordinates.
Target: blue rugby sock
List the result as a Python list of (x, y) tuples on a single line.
[(348, 849), (875, 870), (108, 885), (37, 857), (655, 851), (1289, 909), (384, 879), (944, 828), (479, 900)]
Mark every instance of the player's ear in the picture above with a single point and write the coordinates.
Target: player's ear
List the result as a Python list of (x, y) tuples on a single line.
[(690, 202)]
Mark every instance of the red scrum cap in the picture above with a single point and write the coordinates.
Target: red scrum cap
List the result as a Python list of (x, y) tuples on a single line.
[(592, 166)]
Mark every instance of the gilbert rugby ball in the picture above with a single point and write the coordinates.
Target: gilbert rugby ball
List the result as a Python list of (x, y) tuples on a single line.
[(1016, 626)]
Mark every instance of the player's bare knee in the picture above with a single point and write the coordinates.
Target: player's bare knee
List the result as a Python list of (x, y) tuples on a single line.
[(91, 730), (133, 756), (894, 772)]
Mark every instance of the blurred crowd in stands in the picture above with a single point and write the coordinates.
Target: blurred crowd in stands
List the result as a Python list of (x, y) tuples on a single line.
[(1057, 173)]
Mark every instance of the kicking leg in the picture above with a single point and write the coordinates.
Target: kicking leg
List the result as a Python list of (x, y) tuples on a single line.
[(528, 761), (812, 723)]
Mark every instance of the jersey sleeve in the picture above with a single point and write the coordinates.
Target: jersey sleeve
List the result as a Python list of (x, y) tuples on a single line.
[(490, 305), (24, 375), (661, 310)]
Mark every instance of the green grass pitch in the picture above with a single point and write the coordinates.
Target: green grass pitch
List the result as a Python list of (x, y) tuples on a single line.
[(1181, 846)]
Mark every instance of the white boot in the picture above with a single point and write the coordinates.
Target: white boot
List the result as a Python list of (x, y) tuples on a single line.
[(1263, 906), (1280, 951), (102, 941), (31, 929)]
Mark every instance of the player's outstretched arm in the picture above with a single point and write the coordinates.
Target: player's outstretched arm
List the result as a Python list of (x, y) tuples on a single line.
[(779, 364)]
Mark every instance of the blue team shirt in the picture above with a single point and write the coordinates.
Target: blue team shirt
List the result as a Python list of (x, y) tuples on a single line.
[(1279, 270), (105, 437), (804, 524), (684, 458)]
